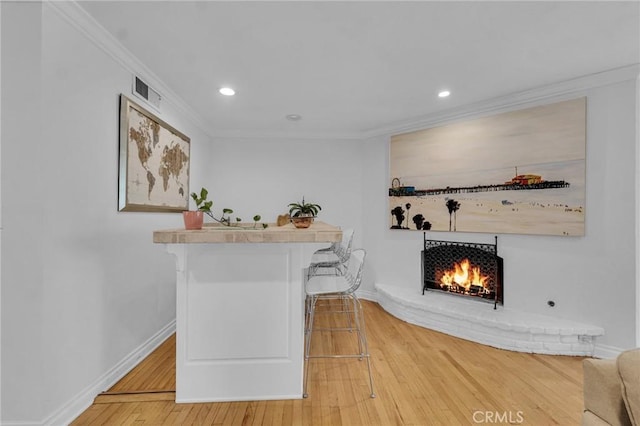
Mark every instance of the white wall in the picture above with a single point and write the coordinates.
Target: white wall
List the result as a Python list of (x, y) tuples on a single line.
[(262, 176), (591, 278), (21, 298), (82, 284)]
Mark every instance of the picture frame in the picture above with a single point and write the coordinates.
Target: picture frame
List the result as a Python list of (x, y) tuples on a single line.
[(521, 171), (154, 160)]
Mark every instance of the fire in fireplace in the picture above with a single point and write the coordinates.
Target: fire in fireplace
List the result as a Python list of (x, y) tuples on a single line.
[(463, 268)]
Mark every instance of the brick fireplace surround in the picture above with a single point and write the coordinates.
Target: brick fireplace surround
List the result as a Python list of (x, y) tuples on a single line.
[(477, 321)]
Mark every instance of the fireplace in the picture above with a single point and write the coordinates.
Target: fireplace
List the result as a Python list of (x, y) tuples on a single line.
[(466, 269)]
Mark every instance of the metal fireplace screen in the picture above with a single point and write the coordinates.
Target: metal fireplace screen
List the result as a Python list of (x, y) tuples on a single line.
[(439, 258)]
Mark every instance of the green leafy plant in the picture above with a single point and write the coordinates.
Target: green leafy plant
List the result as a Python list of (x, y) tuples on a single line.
[(304, 209), (202, 203), (205, 205), (225, 219)]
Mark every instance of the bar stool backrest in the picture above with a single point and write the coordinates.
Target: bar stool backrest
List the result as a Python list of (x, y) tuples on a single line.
[(343, 250), (353, 274)]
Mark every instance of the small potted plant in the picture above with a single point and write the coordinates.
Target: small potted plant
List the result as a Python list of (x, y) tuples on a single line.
[(194, 219), (302, 214)]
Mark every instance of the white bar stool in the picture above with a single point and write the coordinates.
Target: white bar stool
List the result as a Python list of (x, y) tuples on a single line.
[(331, 260), (327, 288)]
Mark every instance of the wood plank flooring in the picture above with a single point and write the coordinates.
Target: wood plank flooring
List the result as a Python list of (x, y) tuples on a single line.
[(421, 377)]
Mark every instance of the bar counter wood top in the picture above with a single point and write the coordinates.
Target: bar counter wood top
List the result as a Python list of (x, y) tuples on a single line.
[(318, 232)]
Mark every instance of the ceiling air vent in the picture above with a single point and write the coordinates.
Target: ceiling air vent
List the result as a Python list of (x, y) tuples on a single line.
[(143, 90)]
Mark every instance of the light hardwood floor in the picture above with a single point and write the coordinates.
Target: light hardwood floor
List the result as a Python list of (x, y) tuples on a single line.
[(422, 377)]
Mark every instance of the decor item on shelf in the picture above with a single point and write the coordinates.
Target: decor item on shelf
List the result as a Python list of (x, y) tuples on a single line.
[(204, 206), (193, 219), (256, 219), (302, 214), (283, 219)]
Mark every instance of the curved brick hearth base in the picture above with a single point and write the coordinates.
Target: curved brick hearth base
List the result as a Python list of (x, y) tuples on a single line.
[(479, 322)]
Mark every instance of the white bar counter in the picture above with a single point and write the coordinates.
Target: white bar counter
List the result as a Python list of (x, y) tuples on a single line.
[(239, 312)]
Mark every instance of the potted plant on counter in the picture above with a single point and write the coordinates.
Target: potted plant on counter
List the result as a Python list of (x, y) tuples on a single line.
[(302, 214), (193, 219)]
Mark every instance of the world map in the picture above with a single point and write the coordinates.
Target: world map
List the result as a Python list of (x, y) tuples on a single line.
[(158, 164)]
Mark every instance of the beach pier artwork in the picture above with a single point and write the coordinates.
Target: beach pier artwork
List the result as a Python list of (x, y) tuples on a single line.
[(519, 182), (480, 206), (519, 172)]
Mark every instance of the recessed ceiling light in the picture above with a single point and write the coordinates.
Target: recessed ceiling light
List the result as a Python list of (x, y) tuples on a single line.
[(444, 94), (294, 117), (227, 91)]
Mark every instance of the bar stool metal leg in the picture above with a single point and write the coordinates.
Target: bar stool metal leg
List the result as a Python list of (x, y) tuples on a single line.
[(362, 340), (335, 291), (307, 334)]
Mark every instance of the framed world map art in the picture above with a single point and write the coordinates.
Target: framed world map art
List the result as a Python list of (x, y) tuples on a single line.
[(154, 162)]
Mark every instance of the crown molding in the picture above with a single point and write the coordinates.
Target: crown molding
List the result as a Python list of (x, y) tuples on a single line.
[(557, 91), (298, 135), (80, 19), (73, 13)]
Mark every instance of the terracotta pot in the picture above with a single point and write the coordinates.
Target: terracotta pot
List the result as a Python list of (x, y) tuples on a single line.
[(302, 221), (193, 219)]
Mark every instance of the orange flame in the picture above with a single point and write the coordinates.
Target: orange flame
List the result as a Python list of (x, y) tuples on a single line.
[(464, 275)]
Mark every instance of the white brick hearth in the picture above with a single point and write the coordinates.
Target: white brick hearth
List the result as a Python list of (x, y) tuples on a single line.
[(477, 321)]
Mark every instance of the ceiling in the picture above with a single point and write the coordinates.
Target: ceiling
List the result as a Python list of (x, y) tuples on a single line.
[(352, 67)]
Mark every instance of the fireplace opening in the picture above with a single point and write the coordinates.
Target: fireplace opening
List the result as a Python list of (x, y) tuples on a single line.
[(467, 269)]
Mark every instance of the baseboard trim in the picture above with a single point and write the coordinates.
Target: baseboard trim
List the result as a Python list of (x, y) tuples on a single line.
[(371, 295), (605, 351), (139, 396), (80, 402)]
